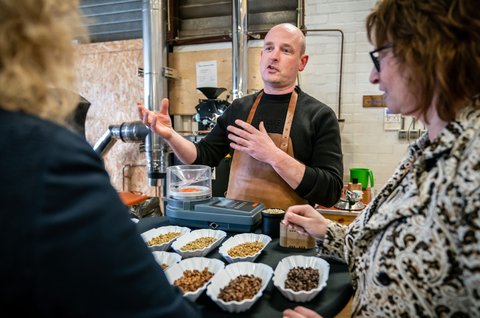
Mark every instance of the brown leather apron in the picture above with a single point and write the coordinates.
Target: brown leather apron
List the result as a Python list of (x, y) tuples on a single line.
[(256, 181)]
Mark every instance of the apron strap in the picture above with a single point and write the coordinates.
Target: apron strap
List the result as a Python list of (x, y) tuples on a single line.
[(288, 119), (254, 107)]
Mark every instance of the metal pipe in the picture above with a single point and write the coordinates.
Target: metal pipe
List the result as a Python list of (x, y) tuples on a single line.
[(104, 144), (239, 48), (129, 166), (155, 85), (342, 38), (135, 131), (301, 14), (127, 132)]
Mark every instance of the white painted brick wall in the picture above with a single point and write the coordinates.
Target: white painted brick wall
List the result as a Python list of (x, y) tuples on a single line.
[(365, 143)]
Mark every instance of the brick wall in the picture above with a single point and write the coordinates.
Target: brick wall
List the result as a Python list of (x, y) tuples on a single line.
[(365, 142)]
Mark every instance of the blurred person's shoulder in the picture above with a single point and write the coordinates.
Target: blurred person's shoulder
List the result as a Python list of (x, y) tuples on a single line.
[(37, 135)]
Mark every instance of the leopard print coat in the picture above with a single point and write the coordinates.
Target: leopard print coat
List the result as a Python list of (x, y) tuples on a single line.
[(415, 250)]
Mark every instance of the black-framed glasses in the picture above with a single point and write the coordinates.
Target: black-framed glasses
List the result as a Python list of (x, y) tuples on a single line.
[(374, 55)]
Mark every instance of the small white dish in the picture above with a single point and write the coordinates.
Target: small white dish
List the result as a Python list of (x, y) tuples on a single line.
[(166, 258), (287, 263), (177, 270), (192, 236), (241, 239), (150, 234), (232, 271)]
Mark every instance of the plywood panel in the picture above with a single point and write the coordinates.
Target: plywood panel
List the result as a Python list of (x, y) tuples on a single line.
[(183, 93), (107, 77)]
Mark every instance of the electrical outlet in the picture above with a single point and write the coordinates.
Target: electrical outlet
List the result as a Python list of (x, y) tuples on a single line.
[(413, 134), (402, 134)]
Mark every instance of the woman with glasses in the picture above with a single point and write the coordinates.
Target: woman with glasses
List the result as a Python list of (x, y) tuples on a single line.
[(415, 250)]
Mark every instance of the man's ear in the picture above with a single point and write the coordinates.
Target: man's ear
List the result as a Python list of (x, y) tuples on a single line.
[(303, 62)]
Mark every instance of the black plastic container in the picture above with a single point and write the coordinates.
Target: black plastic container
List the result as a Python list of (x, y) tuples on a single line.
[(271, 219)]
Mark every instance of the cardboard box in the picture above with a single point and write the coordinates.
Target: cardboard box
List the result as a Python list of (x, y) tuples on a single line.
[(292, 239)]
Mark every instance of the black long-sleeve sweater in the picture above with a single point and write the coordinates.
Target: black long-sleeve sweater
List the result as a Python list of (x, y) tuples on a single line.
[(315, 137), (68, 246)]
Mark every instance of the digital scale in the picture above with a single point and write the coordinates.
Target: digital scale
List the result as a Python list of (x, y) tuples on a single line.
[(190, 202)]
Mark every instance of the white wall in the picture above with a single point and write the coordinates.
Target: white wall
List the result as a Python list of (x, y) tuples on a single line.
[(365, 142)]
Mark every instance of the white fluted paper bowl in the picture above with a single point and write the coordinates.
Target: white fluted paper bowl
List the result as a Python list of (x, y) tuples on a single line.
[(240, 239), (192, 236), (199, 263), (287, 263), (166, 258), (148, 235), (232, 271)]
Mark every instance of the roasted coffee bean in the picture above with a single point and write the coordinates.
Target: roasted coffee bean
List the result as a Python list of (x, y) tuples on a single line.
[(240, 288), (193, 279), (301, 278), (245, 249), (199, 244), (163, 238)]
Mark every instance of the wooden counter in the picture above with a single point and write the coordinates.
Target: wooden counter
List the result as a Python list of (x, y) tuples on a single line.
[(338, 215)]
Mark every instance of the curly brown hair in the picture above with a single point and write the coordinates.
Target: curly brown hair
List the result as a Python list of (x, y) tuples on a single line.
[(37, 74), (439, 42)]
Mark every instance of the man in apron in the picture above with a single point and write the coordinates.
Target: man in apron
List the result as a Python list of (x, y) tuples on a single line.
[(285, 145)]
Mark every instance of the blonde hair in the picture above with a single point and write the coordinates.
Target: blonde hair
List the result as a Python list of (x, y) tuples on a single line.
[(37, 74)]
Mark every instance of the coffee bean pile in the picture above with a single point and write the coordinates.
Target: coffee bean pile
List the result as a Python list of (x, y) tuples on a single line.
[(240, 288), (245, 249), (193, 279), (163, 238), (199, 244), (301, 278), (273, 211)]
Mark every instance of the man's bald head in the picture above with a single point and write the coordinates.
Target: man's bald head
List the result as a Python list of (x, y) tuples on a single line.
[(294, 31)]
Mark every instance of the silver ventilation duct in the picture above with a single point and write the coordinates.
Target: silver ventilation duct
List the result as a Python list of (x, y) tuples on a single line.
[(155, 84), (239, 48), (127, 132)]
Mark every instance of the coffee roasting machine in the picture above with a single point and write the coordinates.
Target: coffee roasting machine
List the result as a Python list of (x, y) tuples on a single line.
[(208, 110)]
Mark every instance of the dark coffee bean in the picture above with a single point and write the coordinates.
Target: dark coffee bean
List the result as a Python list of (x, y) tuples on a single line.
[(240, 288), (301, 278)]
